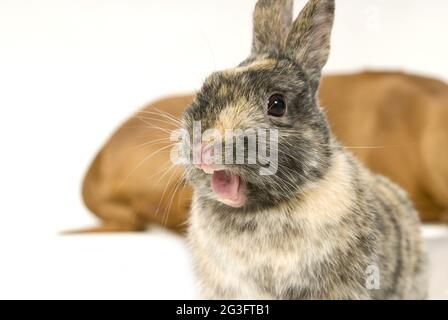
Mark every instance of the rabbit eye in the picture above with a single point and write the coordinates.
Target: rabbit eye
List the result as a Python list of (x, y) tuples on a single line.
[(277, 106)]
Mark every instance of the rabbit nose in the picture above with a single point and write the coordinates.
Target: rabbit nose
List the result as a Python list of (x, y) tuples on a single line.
[(205, 158), (203, 154), (207, 155)]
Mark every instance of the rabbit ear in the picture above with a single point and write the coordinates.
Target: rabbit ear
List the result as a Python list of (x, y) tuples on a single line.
[(272, 20), (308, 42)]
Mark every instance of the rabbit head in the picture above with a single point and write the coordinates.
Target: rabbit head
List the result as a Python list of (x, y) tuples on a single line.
[(272, 94)]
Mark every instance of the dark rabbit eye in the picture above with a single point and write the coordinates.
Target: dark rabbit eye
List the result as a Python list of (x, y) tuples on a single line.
[(277, 106)]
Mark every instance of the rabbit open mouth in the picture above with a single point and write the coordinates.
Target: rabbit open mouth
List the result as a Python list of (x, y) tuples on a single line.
[(228, 188)]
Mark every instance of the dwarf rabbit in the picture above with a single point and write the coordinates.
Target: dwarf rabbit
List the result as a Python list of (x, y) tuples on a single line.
[(317, 226)]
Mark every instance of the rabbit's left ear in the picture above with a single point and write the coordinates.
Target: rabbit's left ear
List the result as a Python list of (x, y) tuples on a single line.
[(308, 41), (272, 20)]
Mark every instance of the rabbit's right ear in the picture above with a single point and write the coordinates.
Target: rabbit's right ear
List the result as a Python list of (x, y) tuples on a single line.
[(272, 20), (309, 39)]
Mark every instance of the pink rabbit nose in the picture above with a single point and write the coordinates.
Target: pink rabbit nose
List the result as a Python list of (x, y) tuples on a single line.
[(205, 159)]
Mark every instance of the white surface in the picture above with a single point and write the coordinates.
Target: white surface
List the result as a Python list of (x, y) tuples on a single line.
[(125, 266), (152, 265), (71, 71)]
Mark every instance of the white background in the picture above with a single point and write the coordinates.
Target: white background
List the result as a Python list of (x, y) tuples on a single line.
[(72, 71)]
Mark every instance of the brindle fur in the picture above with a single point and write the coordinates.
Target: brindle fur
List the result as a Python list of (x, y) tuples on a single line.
[(312, 230)]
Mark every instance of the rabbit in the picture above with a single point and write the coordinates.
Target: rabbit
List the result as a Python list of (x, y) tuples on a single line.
[(319, 225)]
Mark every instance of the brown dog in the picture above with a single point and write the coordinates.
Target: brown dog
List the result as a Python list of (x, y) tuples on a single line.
[(395, 123)]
